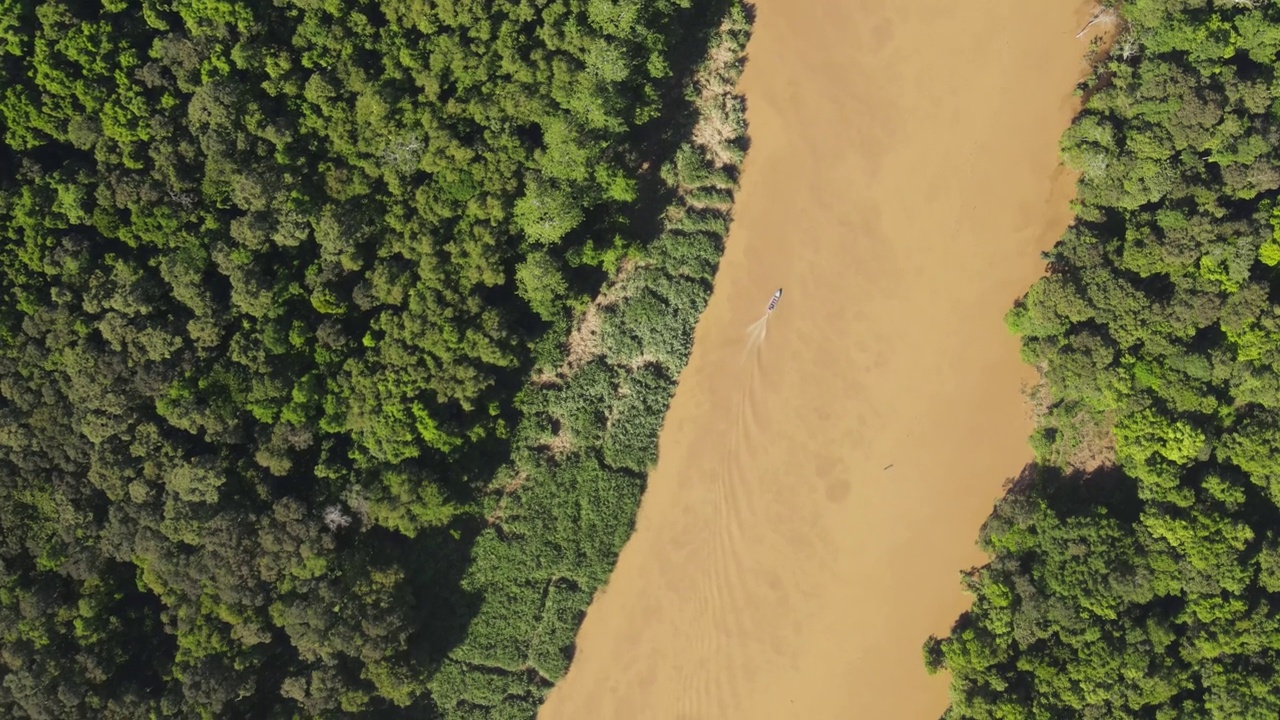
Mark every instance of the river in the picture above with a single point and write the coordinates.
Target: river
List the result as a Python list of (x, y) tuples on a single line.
[(822, 476)]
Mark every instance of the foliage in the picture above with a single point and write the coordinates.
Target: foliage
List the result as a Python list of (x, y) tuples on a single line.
[(1137, 578), (273, 274)]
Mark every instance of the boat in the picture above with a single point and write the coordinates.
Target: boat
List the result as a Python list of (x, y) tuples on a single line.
[(773, 302)]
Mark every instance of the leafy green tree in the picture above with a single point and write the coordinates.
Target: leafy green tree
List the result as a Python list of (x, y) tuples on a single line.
[(541, 282)]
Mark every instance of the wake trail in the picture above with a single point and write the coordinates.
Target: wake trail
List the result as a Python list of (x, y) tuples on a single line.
[(725, 586), (744, 424)]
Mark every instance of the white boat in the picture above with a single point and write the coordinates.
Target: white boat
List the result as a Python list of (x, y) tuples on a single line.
[(773, 302)]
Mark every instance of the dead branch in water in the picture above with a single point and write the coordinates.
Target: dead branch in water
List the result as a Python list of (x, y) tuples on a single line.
[(1103, 15)]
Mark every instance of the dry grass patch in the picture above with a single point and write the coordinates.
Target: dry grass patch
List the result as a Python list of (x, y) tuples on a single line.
[(1090, 446), (1084, 441), (584, 341), (560, 444), (720, 121), (1036, 395)]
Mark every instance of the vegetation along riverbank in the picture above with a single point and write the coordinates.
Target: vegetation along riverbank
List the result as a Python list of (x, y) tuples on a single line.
[(1135, 568)]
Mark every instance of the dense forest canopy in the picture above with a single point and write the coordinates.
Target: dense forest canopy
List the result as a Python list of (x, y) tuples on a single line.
[(1135, 571), (273, 277)]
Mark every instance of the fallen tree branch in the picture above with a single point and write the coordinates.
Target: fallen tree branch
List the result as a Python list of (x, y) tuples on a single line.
[(1104, 14)]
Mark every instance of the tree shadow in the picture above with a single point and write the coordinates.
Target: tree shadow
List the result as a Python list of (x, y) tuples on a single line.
[(439, 560), (1076, 492)]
